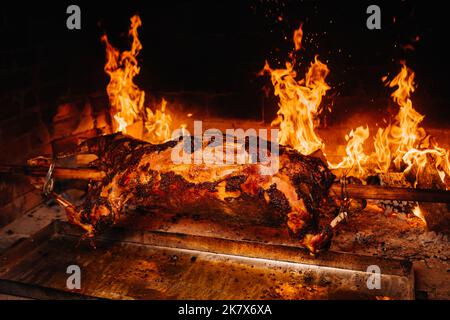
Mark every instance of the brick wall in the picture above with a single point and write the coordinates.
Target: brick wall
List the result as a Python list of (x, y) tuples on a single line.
[(40, 106)]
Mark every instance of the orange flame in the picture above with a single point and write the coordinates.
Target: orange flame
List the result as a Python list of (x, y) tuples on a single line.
[(401, 146), (406, 132), (298, 37), (382, 154), (158, 125), (126, 98), (299, 102), (356, 158), (408, 142)]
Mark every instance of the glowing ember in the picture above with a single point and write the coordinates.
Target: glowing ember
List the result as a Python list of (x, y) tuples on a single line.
[(127, 99), (158, 125), (298, 37), (299, 102)]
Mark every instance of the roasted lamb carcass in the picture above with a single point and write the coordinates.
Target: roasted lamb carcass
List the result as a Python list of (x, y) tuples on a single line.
[(142, 174)]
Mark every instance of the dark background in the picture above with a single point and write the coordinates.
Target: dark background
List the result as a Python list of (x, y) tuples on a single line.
[(219, 47)]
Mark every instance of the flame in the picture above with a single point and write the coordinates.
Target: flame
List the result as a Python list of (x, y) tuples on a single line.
[(126, 98), (406, 132), (121, 123), (298, 37), (299, 102), (158, 124), (356, 158), (382, 153), (403, 146), (419, 159), (407, 142)]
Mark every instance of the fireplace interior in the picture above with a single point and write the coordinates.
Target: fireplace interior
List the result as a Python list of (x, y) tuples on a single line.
[(144, 70)]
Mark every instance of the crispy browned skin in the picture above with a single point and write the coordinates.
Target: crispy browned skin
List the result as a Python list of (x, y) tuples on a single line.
[(142, 174)]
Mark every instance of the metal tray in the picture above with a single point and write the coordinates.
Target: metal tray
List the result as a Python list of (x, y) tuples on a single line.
[(146, 264)]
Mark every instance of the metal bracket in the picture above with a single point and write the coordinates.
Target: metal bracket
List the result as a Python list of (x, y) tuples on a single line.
[(47, 189), (343, 210)]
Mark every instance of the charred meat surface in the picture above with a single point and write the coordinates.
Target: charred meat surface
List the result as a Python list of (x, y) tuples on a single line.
[(142, 174)]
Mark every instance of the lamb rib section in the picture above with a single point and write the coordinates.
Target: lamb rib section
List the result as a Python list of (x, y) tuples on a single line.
[(142, 174)]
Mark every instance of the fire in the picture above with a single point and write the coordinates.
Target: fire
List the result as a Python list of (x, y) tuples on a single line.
[(300, 100), (419, 159), (382, 155), (356, 158), (407, 142), (406, 132), (158, 124), (127, 99), (402, 146), (298, 37)]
